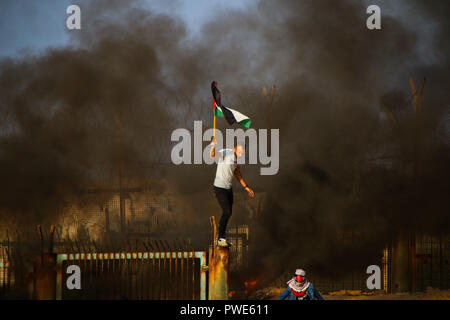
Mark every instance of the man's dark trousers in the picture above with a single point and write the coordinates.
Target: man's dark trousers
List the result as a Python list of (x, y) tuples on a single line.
[(225, 198)]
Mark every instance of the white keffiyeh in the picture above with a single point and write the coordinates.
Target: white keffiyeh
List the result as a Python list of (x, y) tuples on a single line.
[(298, 286)]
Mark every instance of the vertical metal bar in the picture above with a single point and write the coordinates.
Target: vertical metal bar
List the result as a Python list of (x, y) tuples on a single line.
[(193, 272), (144, 282), (142, 275), (139, 275), (164, 273), (118, 273), (99, 275), (136, 273), (124, 275), (170, 273), (413, 262), (441, 275), (105, 265), (42, 243), (96, 277), (188, 267), (182, 276), (109, 277), (59, 262), (431, 261), (176, 273), (130, 275), (203, 266), (9, 261), (148, 274), (422, 267), (84, 270), (3, 269), (113, 274), (79, 258), (105, 271), (88, 268), (167, 272), (164, 276), (127, 279), (159, 270), (188, 271), (71, 259), (153, 279)]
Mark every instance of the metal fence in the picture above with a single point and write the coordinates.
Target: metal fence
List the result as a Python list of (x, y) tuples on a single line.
[(135, 275), (239, 237), (387, 269), (351, 281), (432, 261), (6, 274), (12, 270)]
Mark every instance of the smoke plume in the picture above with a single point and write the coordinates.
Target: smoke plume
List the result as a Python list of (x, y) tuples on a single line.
[(345, 166)]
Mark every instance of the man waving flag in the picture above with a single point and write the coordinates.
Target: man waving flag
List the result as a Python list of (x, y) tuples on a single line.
[(230, 115)]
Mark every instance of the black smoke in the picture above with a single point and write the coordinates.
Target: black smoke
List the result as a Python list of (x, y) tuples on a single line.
[(344, 166)]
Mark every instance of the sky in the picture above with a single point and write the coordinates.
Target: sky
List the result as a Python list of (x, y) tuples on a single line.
[(30, 26)]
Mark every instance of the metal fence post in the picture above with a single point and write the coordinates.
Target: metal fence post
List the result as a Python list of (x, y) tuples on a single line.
[(218, 268)]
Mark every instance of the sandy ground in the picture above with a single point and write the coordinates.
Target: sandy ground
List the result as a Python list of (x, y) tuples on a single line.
[(272, 293)]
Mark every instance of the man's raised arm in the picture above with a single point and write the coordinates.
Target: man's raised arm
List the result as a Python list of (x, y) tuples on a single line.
[(212, 152), (237, 173)]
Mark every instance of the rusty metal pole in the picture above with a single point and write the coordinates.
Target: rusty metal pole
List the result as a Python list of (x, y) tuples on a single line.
[(41, 239), (413, 262), (45, 272), (401, 263), (211, 252), (52, 234), (218, 268)]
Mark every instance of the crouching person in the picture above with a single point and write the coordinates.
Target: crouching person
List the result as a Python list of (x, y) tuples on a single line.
[(299, 288)]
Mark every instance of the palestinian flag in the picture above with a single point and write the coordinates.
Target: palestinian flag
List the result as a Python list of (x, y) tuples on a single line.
[(229, 114)]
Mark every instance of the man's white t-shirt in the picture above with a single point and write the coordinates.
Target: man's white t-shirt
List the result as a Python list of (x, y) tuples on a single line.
[(225, 169)]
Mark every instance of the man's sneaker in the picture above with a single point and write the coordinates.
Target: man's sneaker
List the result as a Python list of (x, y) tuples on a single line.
[(223, 243)]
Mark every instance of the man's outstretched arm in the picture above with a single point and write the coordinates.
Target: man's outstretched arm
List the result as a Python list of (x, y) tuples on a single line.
[(237, 173)]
